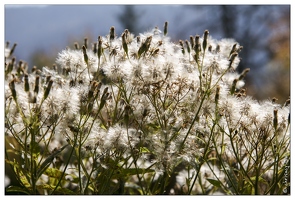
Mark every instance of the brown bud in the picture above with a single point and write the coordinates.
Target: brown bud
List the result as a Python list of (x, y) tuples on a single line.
[(47, 79), (217, 94), (76, 45), (187, 46), (34, 68), (274, 99), (192, 41), (233, 87), (124, 43), (7, 44), (32, 98), (12, 49), (232, 58), (144, 46), (47, 90), (99, 47), (275, 119), (210, 48), (85, 54), (182, 47), (36, 89), (217, 50), (94, 47), (112, 33), (10, 65), (287, 102), (165, 28), (27, 86), (234, 49), (245, 71), (86, 42), (12, 88), (205, 40)]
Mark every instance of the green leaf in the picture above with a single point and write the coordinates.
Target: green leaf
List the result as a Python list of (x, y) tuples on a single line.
[(260, 179), (214, 182), (59, 189), (48, 161), (16, 189), (211, 159), (123, 173), (103, 127), (53, 172), (154, 126), (144, 150)]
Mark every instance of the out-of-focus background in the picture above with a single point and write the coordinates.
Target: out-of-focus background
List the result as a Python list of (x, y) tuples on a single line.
[(41, 31)]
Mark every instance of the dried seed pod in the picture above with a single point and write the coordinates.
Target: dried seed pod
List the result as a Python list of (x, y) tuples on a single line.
[(165, 28), (197, 47), (12, 49), (47, 79), (197, 43), (36, 89), (205, 40), (12, 88), (287, 102), (233, 87), (187, 47), (47, 90), (86, 42), (243, 74), (124, 44), (32, 98), (217, 94), (34, 69), (10, 65), (232, 58), (85, 54), (217, 50), (76, 45), (210, 48), (182, 46), (112, 33), (192, 41), (275, 119), (20, 67), (94, 47), (274, 99), (233, 50), (99, 47), (27, 86), (144, 46)]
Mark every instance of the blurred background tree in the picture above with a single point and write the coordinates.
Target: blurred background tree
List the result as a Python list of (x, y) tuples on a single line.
[(129, 18), (41, 58), (262, 30), (264, 33), (277, 73)]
